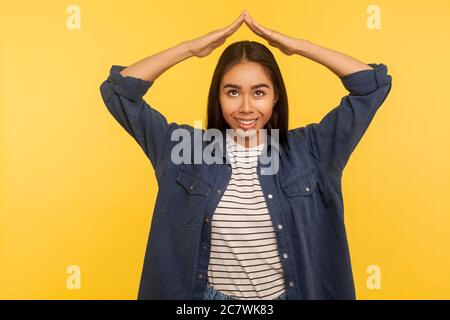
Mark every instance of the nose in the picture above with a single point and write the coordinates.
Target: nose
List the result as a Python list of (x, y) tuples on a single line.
[(245, 106)]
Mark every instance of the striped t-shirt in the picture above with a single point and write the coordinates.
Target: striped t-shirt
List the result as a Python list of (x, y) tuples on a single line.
[(244, 261)]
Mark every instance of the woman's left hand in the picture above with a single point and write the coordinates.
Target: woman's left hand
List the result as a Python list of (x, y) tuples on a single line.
[(286, 44)]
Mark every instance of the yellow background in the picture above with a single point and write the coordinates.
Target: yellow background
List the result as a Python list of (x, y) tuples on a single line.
[(77, 190)]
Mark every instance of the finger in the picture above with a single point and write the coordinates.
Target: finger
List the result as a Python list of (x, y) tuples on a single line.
[(253, 25), (227, 31), (250, 18), (257, 25), (220, 34), (269, 35), (249, 22)]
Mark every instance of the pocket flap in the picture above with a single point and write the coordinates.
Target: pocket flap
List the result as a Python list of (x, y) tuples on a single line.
[(301, 185), (192, 183)]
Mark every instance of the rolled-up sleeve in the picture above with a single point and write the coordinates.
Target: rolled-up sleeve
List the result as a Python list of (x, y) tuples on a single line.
[(335, 137), (123, 96)]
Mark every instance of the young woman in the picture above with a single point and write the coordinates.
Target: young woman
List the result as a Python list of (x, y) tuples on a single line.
[(234, 229)]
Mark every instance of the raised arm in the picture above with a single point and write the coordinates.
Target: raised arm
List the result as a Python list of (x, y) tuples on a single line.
[(334, 138), (152, 67), (123, 91), (339, 63)]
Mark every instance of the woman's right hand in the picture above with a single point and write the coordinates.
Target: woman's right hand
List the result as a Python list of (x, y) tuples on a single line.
[(204, 45)]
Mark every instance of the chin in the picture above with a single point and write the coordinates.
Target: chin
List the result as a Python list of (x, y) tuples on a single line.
[(246, 133)]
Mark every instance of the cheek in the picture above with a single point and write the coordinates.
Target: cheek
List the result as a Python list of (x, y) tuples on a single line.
[(227, 109), (228, 106), (267, 111)]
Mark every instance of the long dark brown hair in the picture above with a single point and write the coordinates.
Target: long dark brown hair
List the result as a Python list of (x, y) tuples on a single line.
[(256, 52)]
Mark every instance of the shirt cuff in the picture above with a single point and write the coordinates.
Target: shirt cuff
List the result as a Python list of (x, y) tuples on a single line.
[(129, 87), (366, 81)]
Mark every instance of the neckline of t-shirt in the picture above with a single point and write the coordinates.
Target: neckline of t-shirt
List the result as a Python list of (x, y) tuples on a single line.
[(240, 147)]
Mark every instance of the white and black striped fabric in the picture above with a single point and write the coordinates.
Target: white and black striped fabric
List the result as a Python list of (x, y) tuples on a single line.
[(244, 261)]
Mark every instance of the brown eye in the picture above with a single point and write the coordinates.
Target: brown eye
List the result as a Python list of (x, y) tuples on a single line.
[(231, 91), (261, 92)]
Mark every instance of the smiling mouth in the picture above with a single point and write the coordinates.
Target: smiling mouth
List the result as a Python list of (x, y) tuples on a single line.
[(246, 124)]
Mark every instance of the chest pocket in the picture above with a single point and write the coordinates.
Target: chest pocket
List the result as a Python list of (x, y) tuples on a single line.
[(187, 201), (302, 194)]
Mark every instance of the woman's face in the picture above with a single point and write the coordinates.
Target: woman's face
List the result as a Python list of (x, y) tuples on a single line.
[(247, 99)]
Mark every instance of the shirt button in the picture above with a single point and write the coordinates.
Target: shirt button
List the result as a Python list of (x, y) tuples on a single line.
[(218, 191), (285, 255), (262, 170), (280, 226), (200, 276), (307, 189), (206, 220), (191, 187), (205, 248), (291, 284), (270, 196)]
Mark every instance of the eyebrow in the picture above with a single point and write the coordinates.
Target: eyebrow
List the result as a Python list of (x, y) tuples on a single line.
[(259, 85)]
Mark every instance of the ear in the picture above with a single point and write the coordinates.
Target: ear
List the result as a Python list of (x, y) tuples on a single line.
[(275, 99)]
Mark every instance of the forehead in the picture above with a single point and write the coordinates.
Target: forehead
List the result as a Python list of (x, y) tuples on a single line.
[(246, 74)]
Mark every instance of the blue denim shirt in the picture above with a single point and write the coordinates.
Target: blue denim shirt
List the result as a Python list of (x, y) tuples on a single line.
[(304, 197)]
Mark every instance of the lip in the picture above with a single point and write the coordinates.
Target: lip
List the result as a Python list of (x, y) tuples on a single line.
[(247, 126)]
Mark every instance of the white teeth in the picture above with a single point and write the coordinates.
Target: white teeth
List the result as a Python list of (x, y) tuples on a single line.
[(247, 121)]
